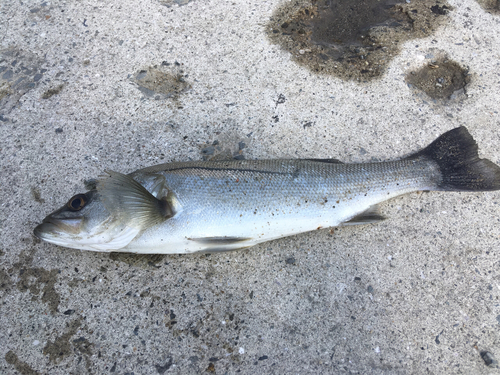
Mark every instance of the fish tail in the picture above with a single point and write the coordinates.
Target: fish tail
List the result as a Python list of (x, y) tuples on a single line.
[(456, 154)]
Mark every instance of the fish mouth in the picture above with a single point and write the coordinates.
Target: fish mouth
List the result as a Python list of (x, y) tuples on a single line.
[(50, 228)]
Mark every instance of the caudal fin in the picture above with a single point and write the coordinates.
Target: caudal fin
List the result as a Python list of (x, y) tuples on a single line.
[(455, 152)]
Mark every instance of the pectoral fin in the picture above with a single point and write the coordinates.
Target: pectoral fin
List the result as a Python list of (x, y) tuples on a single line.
[(370, 216), (130, 201)]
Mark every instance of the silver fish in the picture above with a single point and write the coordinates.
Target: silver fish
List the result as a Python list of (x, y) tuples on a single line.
[(211, 206)]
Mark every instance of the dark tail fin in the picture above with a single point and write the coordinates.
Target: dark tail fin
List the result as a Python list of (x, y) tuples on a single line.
[(455, 152)]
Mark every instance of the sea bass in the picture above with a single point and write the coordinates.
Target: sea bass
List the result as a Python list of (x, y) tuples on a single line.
[(210, 206)]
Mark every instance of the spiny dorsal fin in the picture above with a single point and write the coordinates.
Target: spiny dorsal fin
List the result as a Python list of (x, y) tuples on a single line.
[(125, 197), (369, 216)]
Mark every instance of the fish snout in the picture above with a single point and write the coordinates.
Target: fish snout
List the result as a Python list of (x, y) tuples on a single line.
[(51, 227)]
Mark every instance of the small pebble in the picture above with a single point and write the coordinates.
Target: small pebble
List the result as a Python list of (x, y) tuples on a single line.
[(489, 359)]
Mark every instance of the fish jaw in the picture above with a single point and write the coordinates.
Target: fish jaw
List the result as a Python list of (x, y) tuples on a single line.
[(104, 241), (56, 232)]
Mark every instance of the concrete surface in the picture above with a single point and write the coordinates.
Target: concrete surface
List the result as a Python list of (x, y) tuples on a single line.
[(91, 85)]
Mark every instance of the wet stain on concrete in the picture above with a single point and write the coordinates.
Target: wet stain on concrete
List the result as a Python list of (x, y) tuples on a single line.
[(5, 281), (162, 82), (32, 278), (440, 79), (354, 40), (62, 346), (169, 3), (39, 281), (22, 367), (492, 6), (35, 192), (138, 260), (227, 147), (51, 92), (20, 72)]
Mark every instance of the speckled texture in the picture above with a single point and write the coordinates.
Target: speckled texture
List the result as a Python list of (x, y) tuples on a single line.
[(418, 293)]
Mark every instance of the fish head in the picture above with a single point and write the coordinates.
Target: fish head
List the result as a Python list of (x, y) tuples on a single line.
[(85, 223)]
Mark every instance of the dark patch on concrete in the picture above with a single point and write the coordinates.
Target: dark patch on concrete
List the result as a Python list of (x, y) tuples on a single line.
[(61, 347), (51, 92), (138, 260), (161, 82), (20, 72), (5, 90), (22, 367), (5, 281), (492, 6), (211, 367), (440, 79), (83, 346), (169, 3), (162, 369), (40, 276), (228, 148), (354, 40), (36, 195), (37, 281)]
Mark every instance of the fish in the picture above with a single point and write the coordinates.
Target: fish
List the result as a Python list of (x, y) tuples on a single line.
[(214, 206)]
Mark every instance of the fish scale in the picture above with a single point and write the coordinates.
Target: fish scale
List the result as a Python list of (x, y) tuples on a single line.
[(263, 200)]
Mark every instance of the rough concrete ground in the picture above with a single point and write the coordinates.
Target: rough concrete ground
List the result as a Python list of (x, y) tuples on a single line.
[(418, 293)]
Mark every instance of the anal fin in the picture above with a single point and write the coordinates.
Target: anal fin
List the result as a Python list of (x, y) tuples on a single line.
[(370, 216)]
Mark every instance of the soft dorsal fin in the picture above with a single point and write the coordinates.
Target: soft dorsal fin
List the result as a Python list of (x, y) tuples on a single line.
[(369, 216), (125, 197), (333, 161)]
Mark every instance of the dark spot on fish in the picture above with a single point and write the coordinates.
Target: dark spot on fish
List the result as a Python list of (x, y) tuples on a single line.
[(354, 40)]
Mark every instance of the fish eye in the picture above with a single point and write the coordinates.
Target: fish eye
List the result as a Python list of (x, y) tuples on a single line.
[(77, 202)]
